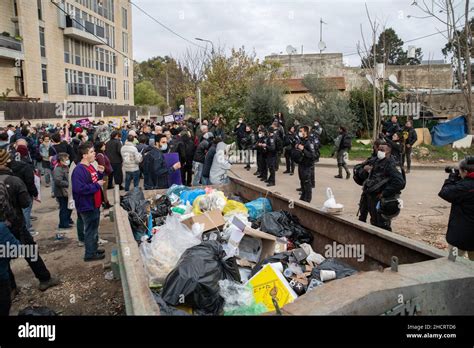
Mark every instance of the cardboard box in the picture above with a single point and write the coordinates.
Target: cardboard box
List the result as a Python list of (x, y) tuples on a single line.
[(211, 220), (268, 241)]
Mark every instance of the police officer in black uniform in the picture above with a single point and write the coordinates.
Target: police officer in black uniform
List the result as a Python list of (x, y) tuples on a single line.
[(262, 171), (361, 174), (270, 147), (289, 143), (315, 137), (383, 187), (308, 156)]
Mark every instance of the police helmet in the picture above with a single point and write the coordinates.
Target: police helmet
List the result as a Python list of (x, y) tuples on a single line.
[(389, 208)]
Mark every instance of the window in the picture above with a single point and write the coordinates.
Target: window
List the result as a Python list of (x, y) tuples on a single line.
[(44, 75), (67, 51), (124, 18), (125, 66), (77, 53), (125, 42), (15, 9), (42, 42), (126, 90), (40, 10)]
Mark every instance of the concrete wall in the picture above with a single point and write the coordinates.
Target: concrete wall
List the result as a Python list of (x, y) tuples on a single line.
[(327, 64)]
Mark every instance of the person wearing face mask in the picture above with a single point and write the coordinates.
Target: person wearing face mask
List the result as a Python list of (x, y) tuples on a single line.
[(361, 173), (383, 188), (458, 190), (271, 153), (262, 170), (289, 143), (306, 155), (397, 147), (61, 185), (154, 167), (45, 163)]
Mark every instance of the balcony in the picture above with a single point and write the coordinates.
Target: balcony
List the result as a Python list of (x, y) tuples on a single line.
[(77, 31), (11, 48)]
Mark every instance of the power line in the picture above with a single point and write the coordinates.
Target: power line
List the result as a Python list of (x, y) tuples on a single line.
[(166, 27), (98, 37)]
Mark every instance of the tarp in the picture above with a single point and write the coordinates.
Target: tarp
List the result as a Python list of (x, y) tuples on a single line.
[(449, 132)]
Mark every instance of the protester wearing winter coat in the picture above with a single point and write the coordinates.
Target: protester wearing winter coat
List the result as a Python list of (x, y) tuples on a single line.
[(220, 166)]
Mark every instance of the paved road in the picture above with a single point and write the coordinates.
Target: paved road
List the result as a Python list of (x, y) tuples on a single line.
[(424, 216)]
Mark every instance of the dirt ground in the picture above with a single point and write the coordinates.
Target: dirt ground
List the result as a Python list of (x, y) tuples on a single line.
[(423, 218), (83, 289)]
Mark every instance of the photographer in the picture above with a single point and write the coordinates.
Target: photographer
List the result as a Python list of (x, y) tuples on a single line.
[(458, 189)]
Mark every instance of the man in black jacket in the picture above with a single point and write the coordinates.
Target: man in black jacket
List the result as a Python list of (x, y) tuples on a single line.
[(20, 199), (306, 165), (458, 190), (289, 144), (411, 139), (154, 167), (271, 153), (186, 151), (262, 170), (239, 132), (247, 143), (384, 184), (206, 170), (200, 157), (112, 150)]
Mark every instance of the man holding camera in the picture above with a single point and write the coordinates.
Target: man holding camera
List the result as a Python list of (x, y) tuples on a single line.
[(458, 190)]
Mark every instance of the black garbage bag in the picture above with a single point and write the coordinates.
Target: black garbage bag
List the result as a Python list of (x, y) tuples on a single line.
[(342, 270), (162, 207), (166, 309), (283, 224), (132, 199), (37, 311), (284, 258), (194, 281), (137, 206)]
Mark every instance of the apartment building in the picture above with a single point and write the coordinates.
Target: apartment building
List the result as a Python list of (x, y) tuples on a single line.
[(74, 50)]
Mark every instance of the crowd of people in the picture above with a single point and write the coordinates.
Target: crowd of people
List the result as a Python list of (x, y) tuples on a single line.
[(79, 163)]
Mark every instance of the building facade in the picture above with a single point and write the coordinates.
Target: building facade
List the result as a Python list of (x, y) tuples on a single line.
[(79, 51)]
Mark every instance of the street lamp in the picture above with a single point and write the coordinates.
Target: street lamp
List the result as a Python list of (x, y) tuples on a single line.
[(212, 44)]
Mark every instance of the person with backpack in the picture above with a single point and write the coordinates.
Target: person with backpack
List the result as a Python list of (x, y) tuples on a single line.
[(87, 186), (23, 168), (14, 197), (342, 146), (57, 147), (61, 185)]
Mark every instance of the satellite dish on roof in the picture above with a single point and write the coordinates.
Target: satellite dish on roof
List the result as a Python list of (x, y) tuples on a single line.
[(322, 45), (290, 49)]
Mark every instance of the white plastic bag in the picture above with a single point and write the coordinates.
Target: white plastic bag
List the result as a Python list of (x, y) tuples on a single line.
[(331, 201), (161, 255), (212, 201)]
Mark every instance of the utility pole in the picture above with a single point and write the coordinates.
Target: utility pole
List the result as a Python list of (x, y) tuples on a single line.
[(199, 104), (374, 136), (167, 89)]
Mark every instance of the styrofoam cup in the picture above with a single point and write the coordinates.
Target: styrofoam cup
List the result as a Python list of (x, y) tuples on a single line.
[(327, 275)]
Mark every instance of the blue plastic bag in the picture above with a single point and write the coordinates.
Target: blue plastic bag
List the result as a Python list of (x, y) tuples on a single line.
[(258, 207), (190, 196)]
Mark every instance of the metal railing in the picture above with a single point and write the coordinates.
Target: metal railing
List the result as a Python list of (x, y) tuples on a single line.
[(11, 43)]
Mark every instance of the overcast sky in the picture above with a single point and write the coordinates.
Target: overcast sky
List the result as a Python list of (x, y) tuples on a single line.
[(269, 26)]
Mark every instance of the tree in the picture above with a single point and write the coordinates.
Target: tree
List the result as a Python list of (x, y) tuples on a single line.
[(327, 105), (389, 50), (145, 94), (458, 26), (265, 98)]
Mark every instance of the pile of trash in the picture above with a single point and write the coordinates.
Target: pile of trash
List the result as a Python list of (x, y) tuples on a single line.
[(208, 254)]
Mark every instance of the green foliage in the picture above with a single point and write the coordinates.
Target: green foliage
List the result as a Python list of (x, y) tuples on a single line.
[(361, 103), (327, 105), (389, 50), (264, 100), (145, 94)]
